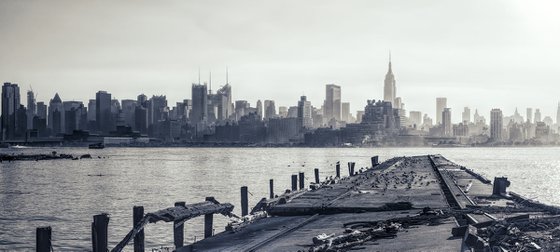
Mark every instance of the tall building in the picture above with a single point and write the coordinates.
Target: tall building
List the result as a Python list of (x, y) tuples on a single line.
[(538, 117), (304, 114), (10, 106), (558, 114), (103, 116), (225, 110), (446, 125), (441, 103), (41, 110), (260, 109), (31, 108), (529, 114), (128, 112), (390, 86), (466, 115), (282, 111), (56, 115), (73, 111), (333, 105), (415, 118), (345, 112), (496, 124), (269, 109), (200, 103)]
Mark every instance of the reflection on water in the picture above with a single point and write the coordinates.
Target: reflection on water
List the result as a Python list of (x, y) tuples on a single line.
[(65, 194)]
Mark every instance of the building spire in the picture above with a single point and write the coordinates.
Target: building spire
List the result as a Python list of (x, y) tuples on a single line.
[(198, 75), (227, 80), (390, 66), (210, 83)]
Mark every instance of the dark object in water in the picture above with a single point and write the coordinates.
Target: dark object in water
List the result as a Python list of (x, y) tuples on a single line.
[(97, 146), (85, 156)]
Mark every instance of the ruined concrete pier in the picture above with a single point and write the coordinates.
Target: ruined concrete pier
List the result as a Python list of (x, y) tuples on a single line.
[(421, 203)]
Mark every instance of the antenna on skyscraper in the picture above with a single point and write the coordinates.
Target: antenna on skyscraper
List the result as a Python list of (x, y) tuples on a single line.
[(210, 83), (198, 75), (227, 81)]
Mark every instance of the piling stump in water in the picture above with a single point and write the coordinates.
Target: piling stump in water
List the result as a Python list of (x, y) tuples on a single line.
[(208, 221), (43, 242), (99, 235), (178, 231), (244, 201), (137, 215)]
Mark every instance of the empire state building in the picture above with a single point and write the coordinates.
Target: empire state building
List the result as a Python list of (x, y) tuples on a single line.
[(390, 88)]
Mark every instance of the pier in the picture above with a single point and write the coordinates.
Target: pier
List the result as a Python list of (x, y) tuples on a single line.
[(420, 203)]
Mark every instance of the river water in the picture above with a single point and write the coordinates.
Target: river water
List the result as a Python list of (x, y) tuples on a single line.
[(65, 194)]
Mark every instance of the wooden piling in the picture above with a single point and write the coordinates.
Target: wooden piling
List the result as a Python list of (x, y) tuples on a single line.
[(43, 239), (374, 161), (137, 215), (271, 187), (338, 169), (301, 181), (244, 201), (99, 235), (316, 175), (178, 231), (294, 182), (208, 221)]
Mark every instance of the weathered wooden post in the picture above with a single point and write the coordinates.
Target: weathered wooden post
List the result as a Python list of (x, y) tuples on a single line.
[(301, 181), (99, 235), (178, 230), (43, 239), (208, 221), (316, 175), (244, 201), (338, 169), (374, 161), (137, 215), (271, 186), (294, 182), (349, 168), (352, 165)]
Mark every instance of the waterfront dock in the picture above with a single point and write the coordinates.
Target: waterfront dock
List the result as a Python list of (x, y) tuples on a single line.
[(433, 203)]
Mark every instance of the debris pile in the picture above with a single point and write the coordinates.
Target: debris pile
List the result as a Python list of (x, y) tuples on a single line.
[(539, 234)]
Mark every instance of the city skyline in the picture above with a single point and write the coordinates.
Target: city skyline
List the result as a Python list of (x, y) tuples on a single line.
[(276, 57)]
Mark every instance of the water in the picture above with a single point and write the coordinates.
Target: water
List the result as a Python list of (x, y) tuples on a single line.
[(64, 195)]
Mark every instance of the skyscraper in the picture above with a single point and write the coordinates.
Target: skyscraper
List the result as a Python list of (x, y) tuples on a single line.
[(390, 87), (103, 115), (415, 118), (31, 108), (538, 117), (441, 103), (200, 103), (260, 109), (56, 115), (466, 115), (496, 124), (345, 111), (304, 114), (10, 106), (333, 103), (446, 122), (269, 109), (529, 115), (558, 114)]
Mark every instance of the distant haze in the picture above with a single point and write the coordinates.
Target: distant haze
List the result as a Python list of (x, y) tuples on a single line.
[(481, 54)]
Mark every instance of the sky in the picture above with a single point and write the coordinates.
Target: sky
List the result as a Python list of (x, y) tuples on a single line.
[(481, 54)]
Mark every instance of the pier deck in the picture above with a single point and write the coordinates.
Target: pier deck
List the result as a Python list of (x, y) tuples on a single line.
[(392, 192)]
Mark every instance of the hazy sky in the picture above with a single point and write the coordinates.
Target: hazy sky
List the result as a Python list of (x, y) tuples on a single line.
[(482, 54)]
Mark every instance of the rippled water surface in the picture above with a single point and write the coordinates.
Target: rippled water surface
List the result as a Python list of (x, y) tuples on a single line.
[(65, 194)]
